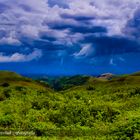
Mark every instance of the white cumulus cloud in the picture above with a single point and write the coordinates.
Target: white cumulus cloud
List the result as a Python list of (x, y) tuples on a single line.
[(18, 57)]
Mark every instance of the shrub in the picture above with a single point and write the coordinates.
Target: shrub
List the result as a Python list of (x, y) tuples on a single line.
[(90, 88), (6, 120), (5, 85), (2, 97), (7, 93)]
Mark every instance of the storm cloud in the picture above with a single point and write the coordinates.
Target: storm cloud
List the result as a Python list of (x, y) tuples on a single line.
[(86, 33)]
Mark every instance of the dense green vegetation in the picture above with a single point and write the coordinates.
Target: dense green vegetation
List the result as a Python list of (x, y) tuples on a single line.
[(64, 83), (80, 107)]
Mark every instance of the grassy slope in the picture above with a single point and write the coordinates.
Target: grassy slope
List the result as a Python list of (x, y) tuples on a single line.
[(98, 108)]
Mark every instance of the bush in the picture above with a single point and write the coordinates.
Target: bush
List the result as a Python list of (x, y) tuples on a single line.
[(90, 88), (5, 85), (7, 93), (20, 88), (6, 120), (2, 97)]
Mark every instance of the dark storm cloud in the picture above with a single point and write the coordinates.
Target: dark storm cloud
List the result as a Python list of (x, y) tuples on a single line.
[(133, 25), (3, 7), (78, 17), (112, 45), (78, 28)]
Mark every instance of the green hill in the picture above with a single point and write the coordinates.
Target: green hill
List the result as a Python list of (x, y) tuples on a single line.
[(80, 107), (12, 79), (64, 83)]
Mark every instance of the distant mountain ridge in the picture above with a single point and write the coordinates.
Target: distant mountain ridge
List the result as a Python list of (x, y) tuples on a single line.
[(66, 82)]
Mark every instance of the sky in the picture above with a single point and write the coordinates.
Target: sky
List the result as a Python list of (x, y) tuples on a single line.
[(68, 37)]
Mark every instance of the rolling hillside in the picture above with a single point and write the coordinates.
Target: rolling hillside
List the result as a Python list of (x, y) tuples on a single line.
[(79, 107)]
